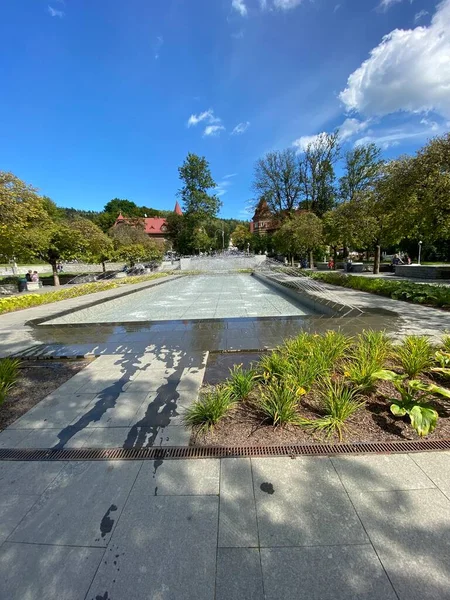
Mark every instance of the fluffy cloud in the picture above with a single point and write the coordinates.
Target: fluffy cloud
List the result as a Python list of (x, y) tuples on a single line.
[(240, 128), (305, 140), (409, 70), (420, 15), (240, 7), (55, 13), (213, 130), (351, 127), (207, 115)]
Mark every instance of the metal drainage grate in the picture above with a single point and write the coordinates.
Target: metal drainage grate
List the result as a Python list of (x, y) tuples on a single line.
[(220, 452)]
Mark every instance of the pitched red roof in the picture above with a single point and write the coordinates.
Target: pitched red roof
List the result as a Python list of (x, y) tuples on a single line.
[(177, 209), (154, 225)]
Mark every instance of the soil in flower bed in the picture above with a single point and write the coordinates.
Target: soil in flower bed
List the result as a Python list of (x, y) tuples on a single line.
[(372, 423), (36, 380)]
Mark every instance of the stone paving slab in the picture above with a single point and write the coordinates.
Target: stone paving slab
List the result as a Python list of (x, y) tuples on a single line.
[(324, 573), (12, 510), (48, 438), (178, 478), (237, 523), (126, 405), (301, 503), (239, 574), (21, 477), (81, 506), (9, 438), (163, 547), (410, 531), (436, 465), (380, 472), (35, 572)]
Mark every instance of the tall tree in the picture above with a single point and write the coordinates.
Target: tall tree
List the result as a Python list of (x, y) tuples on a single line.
[(197, 181), (277, 179), (316, 172), (132, 244), (300, 235), (242, 236), (362, 169)]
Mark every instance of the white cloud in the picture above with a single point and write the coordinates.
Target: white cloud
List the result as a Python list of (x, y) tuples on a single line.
[(408, 71), (431, 124), (240, 7), (207, 115), (420, 15), (241, 128), (263, 4), (351, 127), (223, 185), (305, 140), (230, 176), (386, 4), (55, 13), (213, 130), (286, 4), (158, 45)]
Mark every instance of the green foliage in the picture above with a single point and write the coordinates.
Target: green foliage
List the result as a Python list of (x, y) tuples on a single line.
[(368, 356), (300, 234), (242, 237), (432, 295), (414, 401), (339, 402), (361, 171), (241, 382), (278, 402), (212, 406), (197, 180), (415, 355), (13, 303), (9, 372)]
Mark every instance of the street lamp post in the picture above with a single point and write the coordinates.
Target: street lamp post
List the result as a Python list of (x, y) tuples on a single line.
[(420, 251)]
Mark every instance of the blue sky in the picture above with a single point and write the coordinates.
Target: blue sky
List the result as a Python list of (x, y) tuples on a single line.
[(104, 98)]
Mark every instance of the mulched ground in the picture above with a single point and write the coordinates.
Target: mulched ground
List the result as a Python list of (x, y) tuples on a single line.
[(37, 379), (372, 423)]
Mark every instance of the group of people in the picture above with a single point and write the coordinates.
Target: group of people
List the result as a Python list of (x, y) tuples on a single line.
[(32, 276), (397, 260)]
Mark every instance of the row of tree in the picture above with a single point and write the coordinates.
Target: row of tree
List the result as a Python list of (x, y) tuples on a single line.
[(374, 203)]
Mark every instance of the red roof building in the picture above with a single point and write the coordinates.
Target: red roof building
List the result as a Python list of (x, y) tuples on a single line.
[(154, 227)]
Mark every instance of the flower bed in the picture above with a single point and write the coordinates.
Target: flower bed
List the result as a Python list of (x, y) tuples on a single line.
[(331, 387), (13, 303), (418, 293)]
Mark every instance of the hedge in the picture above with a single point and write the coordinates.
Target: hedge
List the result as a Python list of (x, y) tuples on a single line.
[(418, 293), (12, 303)]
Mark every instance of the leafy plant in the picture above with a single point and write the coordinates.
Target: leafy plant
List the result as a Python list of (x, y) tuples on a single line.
[(273, 365), (368, 356), (9, 372), (213, 405), (442, 359), (305, 373), (241, 382), (340, 402), (446, 342), (414, 401), (415, 355), (278, 402), (333, 345)]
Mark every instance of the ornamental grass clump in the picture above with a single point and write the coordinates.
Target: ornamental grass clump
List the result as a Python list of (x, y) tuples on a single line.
[(367, 357), (414, 355), (9, 373), (339, 402), (241, 382), (278, 402), (214, 404)]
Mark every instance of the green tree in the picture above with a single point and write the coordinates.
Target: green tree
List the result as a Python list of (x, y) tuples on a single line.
[(362, 169), (242, 236), (317, 177), (197, 181), (132, 244), (277, 179), (201, 240), (300, 235)]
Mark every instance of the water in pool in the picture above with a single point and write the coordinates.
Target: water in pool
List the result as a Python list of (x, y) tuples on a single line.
[(192, 297)]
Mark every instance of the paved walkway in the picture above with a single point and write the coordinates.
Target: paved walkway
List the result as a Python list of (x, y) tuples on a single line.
[(358, 528)]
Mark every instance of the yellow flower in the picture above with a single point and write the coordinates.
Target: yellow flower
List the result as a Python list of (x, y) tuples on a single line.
[(301, 391)]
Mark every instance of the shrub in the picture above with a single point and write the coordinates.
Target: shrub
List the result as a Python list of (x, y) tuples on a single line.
[(273, 365), (278, 402), (241, 382), (415, 355), (414, 397), (9, 372), (213, 405), (368, 356), (433, 295), (339, 402)]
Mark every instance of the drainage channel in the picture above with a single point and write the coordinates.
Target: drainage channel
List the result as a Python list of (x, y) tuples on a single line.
[(162, 453)]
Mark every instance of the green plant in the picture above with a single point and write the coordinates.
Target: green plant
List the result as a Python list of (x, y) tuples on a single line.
[(368, 356), (9, 372), (333, 345), (415, 355), (442, 359), (213, 405), (278, 402), (414, 401), (339, 402), (446, 342), (241, 382), (273, 365)]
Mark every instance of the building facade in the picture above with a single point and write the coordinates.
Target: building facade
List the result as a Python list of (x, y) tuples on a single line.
[(155, 227)]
